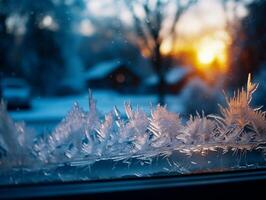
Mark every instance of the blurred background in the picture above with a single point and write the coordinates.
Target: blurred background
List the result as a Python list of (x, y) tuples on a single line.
[(182, 53)]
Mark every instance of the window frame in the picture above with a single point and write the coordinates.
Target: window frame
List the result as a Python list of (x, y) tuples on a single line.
[(242, 183)]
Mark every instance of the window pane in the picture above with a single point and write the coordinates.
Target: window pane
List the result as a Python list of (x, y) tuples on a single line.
[(130, 88)]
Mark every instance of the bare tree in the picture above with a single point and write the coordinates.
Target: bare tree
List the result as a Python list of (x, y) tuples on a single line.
[(154, 21)]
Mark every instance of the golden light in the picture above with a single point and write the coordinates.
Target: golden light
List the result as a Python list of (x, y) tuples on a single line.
[(166, 46), (208, 53), (206, 56), (211, 52)]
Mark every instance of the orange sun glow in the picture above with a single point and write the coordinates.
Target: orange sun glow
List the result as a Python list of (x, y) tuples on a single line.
[(211, 52)]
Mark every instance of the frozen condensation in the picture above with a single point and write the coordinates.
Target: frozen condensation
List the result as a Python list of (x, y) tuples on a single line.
[(88, 145)]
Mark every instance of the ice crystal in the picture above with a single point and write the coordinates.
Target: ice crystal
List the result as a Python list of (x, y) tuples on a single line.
[(86, 139), (165, 126), (199, 130), (240, 122), (71, 137), (16, 141)]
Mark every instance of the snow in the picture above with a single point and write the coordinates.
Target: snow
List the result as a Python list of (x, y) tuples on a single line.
[(176, 74), (102, 69), (14, 93), (56, 108), (14, 89), (172, 76)]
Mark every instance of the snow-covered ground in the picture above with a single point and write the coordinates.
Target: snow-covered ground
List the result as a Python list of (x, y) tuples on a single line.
[(46, 112)]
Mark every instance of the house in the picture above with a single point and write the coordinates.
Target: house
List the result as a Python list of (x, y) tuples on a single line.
[(114, 75), (175, 80)]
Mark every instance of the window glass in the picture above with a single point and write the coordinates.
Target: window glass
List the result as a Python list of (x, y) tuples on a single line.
[(103, 89)]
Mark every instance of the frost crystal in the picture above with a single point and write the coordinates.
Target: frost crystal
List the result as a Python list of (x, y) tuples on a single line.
[(15, 141), (165, 126), (116, 146)]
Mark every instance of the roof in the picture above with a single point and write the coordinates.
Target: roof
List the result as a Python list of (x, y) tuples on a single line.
[(172, 76), (102, 69)]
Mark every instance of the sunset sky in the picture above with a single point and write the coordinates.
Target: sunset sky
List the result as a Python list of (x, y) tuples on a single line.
[(204, 15), (201, 29)]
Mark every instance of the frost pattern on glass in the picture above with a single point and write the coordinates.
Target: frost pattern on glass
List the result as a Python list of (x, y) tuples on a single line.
[(89, 142)]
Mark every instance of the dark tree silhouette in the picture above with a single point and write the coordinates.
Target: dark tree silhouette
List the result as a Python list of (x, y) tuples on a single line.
[(45, 54), (149, 30)]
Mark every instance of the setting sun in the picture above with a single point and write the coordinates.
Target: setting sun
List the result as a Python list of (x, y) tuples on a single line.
[(211, 52), (206, 56)]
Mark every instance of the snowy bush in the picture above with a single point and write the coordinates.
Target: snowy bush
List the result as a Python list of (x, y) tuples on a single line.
[(197, 92), (85, 138)]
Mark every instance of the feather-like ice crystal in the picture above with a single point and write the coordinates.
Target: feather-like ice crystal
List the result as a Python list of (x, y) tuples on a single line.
[(102, 144)]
